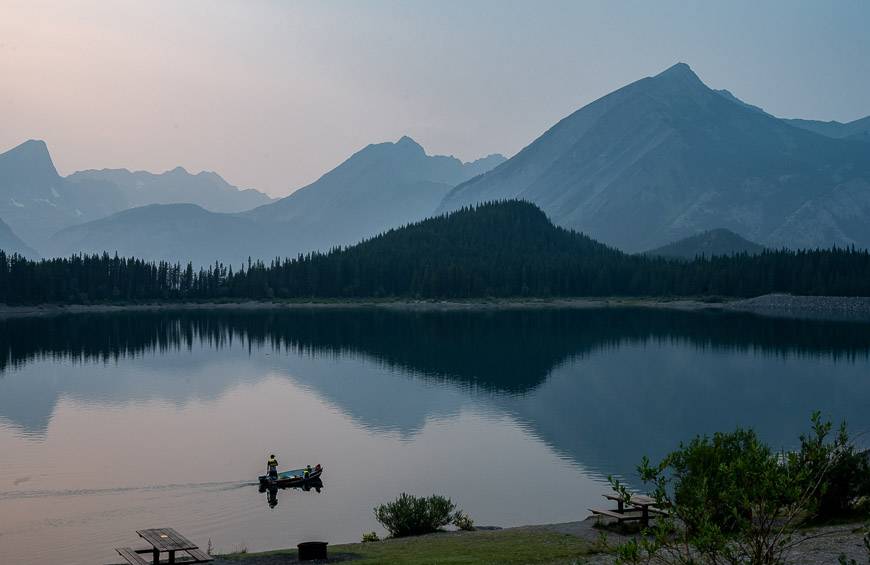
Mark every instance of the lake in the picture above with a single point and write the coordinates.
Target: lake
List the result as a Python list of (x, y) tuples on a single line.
[(111, 423)]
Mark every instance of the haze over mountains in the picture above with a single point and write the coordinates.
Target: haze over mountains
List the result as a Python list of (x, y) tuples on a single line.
[(710, 243), (37, 202), (11, 243), (661, 159), (140, 188), (381, 186), (666, 157)]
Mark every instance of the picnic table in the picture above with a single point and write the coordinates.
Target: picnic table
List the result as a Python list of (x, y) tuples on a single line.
[(164, 540), (642, 506)]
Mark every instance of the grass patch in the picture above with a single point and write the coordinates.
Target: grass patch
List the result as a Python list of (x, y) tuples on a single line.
[(459, 548)]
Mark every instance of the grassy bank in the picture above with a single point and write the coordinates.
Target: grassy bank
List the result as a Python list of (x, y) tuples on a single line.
[(465, 548)]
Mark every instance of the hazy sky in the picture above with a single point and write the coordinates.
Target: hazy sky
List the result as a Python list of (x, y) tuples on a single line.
[(273, 94)]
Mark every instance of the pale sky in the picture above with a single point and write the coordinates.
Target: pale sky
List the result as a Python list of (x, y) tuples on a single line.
[(273, 94)]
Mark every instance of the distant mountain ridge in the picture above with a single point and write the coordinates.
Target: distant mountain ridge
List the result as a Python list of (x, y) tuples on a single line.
[(661, 159), (34, 199), (206, 189), (667, 157), (855, 130), (176, 232), (716, 242), (37, 202), (382, 186), (858, 130)]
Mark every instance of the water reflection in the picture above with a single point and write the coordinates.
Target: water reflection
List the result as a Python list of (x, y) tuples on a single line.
[(503, 350), (453, 402), (669, 370), (508, 353), (272, 490)]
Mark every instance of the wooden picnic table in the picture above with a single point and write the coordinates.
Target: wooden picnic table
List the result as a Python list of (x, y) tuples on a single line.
[(645, 503), (166, 540)]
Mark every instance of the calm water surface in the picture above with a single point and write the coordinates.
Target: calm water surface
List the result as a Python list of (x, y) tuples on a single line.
[(118, 422)]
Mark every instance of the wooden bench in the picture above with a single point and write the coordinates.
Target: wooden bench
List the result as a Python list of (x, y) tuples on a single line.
[(131, 556), (619, 516), (199, 556)]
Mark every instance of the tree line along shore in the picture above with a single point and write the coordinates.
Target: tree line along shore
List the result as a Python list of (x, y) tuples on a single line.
[(496, 250)]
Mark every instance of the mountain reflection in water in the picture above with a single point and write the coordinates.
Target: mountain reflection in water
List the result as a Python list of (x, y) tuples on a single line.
[(674, 372), (149, 418)]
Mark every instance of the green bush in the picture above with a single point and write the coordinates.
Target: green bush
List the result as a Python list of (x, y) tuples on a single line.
[(370, 537), (733, 500), (463, 521), (413, 516), (844, 471), (718, 480)]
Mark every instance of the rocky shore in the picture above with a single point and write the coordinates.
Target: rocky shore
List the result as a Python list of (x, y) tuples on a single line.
[(835, 308)]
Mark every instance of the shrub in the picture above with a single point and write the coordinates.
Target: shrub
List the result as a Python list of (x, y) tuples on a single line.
[(733, 500), (463, 521), (844, 471), (719, 480), (413, 516), (370, 537)]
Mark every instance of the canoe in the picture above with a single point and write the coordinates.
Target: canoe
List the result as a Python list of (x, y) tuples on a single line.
[(294, 477)]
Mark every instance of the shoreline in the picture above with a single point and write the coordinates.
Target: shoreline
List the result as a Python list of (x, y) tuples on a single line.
[(817, 544), (40, 310), (822, 308)]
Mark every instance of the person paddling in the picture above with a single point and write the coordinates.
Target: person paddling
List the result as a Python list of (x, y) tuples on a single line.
[(272, 467)]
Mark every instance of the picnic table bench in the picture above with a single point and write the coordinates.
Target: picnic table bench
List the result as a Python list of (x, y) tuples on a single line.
[(642, 507), (164, 540)]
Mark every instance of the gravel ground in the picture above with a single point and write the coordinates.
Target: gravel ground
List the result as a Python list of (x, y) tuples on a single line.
[(836, 308), (821, 545)]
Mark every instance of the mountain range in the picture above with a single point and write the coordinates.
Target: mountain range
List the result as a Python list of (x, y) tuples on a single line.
[(141, 188), (659, 160), (382, 186), (666, 157), (37, 202), (34, 200)]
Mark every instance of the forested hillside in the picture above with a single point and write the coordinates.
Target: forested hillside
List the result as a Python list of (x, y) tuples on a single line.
[(709, 243), (505, 249)]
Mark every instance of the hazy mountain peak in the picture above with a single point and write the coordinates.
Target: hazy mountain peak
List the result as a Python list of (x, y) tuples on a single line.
[(680, 71), (406, 141), (34, 146), (484, 164), (666, 156), (32, 156)]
